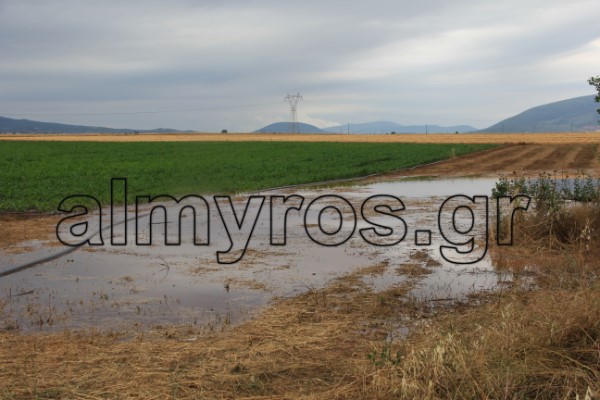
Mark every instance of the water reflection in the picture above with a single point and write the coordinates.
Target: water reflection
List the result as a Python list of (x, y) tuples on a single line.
[(111, 286)]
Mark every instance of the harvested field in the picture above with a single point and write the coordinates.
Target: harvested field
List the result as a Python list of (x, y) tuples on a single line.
[(523, 159), (496, 138)]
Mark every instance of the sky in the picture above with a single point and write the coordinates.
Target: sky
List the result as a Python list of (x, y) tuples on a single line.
[(212, 65)]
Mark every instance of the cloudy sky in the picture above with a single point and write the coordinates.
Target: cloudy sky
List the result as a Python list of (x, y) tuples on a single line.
[(231, 63)]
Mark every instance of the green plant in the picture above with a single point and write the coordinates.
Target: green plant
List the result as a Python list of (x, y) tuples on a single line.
[(595, 82), (510, 187), (38, 175), (384, 356)]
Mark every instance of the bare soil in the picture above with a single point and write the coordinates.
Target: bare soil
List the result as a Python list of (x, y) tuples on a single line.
[(15, 229), (523, 159)]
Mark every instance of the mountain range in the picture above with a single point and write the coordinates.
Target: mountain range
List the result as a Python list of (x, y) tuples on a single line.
[(576, 114), (368, 127), (9, 125), (389, 127)]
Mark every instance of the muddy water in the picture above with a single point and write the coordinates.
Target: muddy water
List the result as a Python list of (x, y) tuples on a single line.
[(111, 286)]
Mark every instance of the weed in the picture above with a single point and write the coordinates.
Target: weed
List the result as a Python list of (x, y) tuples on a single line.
[(384, 356)]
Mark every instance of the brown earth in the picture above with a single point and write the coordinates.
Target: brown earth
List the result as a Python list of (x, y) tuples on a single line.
[(523, 159), (18, 228), (500, 138)]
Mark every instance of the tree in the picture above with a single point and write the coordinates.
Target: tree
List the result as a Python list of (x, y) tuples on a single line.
[(595, 82)]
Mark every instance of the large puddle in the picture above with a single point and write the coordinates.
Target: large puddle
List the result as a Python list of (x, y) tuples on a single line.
[(111, 286)]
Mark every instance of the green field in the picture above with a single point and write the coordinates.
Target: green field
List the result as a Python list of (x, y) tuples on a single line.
[(38, 175)]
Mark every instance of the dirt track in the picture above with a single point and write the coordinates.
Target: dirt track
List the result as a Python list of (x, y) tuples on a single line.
[(546, 138)]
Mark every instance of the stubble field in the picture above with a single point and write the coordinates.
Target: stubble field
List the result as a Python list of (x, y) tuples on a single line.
[(496, 138)]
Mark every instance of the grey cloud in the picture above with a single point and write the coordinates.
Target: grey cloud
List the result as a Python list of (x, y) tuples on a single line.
[(392, 59)]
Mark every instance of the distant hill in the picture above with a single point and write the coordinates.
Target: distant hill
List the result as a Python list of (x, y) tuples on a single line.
[(576, 114), (9, 125), (389, 126), (283, 127)]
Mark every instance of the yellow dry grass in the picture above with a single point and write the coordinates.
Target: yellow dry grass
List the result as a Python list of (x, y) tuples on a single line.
[(331, 344), (313, 346), (499, 138), (17, 228)]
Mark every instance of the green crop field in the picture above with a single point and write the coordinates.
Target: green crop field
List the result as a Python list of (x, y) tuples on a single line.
[(38, 175)]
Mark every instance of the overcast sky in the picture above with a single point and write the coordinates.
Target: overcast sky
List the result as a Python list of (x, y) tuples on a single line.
[(232, 62)]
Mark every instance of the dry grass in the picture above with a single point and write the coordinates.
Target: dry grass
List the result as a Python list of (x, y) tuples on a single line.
[(412, 270), (331, 344), (574, 227), (559, 247), (18, 228), (543, 345), (312, 346), (499, 138)]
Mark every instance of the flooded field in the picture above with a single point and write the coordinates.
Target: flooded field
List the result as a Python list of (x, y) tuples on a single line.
[(335, 231)]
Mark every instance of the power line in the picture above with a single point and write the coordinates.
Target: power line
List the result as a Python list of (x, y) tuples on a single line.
[(140, 112)]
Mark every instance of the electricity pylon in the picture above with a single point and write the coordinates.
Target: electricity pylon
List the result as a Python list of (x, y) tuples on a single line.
[(293, 100)]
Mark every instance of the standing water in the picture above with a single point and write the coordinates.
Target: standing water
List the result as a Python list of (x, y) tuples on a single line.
[(335, 231)]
